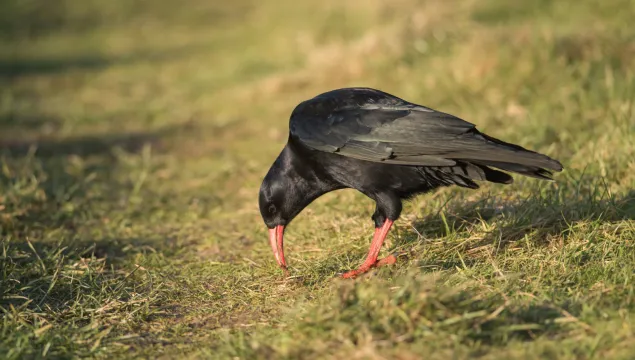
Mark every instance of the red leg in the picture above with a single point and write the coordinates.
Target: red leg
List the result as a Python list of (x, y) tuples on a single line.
[(373, 252), (388, 260)]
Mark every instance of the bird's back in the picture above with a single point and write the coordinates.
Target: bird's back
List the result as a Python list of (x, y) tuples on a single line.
[(369, 129)]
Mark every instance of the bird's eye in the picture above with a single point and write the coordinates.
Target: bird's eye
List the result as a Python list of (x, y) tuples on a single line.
[(272, 208)]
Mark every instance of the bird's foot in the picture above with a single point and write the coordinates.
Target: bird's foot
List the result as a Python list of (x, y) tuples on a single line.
[(285, 270), (388, 260), (354, 273)]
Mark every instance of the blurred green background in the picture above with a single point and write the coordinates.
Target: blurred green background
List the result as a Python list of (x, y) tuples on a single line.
[(134, 135)]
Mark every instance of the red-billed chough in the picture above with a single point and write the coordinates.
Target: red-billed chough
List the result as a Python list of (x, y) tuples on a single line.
[(388, 149)]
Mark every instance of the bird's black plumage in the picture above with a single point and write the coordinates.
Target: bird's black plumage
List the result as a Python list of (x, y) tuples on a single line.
[(388, 149)]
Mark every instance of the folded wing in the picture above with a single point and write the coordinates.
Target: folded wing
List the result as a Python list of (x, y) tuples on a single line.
[(390, 130)]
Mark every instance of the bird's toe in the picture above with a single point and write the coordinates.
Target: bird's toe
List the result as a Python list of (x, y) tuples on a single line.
[(350, 274), (388, 260)]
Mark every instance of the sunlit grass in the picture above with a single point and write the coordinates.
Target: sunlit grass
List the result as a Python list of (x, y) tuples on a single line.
[(134, 136)]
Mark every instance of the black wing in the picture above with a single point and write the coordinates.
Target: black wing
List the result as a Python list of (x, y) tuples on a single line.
[(371, 125)]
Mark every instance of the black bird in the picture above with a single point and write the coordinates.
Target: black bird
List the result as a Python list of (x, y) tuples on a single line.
[(388, 149)]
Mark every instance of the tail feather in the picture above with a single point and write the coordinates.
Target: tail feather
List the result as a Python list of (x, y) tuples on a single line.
[(531, 171), (501, 155), (463, 174), (474, 171), (524, 157)]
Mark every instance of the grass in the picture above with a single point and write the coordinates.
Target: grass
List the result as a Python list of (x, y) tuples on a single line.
[(134, 136)]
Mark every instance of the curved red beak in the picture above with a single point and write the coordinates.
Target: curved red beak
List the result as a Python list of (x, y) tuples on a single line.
[(276, 241)]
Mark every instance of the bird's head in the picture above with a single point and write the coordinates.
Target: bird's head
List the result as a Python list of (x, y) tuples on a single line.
[(274, 210), (286, 190), (289, 186), (280, 200), (274, 200)]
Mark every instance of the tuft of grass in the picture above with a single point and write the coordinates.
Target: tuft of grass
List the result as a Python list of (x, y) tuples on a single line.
[(134, 136)]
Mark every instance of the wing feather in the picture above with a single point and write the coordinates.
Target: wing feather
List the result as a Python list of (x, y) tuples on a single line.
[(370, 125)]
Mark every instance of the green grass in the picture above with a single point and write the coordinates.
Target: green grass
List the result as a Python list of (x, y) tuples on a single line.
[(134, 136)]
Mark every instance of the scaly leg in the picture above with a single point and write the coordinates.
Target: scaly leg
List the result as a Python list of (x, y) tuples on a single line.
[(373, 252)]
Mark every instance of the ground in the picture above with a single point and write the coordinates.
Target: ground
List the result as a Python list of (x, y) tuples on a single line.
[(134, 136)]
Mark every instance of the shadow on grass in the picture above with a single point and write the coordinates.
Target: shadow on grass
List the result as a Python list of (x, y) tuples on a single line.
[(62, 241), (542, 215), (47, 147), (52, 277), (24, 20), (17, 66), (82, 146), (39, 178), (28, 123), (45, 189)]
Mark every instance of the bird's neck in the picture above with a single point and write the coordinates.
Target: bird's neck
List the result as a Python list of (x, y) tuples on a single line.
[(296, 166), (303, 174)]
